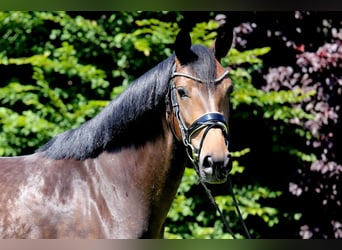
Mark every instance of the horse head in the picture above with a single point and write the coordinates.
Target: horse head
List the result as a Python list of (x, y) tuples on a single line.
[(199, 97)]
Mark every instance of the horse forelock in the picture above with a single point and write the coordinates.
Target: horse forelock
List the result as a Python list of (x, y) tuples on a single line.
[(204, 67)]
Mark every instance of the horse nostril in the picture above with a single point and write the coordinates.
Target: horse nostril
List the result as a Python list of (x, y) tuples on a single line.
[(208, 162), (228, 163), (228, 159)]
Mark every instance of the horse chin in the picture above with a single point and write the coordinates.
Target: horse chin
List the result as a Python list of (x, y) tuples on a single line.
[(213, 176)]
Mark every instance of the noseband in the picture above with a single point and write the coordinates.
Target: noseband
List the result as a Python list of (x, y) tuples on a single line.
[(208, 121)]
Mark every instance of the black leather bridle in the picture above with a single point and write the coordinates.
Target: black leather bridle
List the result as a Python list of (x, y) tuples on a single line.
[(207, 121)]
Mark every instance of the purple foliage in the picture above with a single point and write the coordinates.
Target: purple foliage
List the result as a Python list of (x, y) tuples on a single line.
[(308, 64)]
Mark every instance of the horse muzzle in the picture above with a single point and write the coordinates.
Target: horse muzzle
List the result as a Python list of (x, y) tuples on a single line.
[(215, 170)]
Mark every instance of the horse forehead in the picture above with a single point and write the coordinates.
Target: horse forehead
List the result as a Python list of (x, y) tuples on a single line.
[(206, 71), (207, 74)]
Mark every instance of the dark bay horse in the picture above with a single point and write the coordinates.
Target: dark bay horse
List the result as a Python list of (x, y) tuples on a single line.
[(116, 175)]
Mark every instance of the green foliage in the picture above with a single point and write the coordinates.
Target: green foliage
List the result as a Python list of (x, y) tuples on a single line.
[(41, 100), (251, 57), (273, 104), (58, 71)]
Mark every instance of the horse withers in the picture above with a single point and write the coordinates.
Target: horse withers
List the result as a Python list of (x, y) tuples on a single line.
[(116, 175)]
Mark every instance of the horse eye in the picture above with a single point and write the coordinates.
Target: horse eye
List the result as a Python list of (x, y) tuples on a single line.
[(181, 92)]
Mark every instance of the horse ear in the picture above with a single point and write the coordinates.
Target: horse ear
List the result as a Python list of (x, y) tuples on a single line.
[(182, 47), (223, 40)]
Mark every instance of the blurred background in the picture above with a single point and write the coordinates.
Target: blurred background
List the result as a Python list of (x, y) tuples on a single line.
[(59, 69)]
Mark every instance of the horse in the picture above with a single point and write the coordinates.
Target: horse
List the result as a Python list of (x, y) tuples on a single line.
[(116, 175)]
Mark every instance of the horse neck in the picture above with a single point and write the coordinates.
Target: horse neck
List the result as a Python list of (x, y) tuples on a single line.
[(145, 179)]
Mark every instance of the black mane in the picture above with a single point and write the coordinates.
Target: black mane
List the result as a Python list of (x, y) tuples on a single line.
[(132, 118)]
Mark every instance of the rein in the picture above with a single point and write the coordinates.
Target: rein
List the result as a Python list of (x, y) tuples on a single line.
[(207, 121)]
